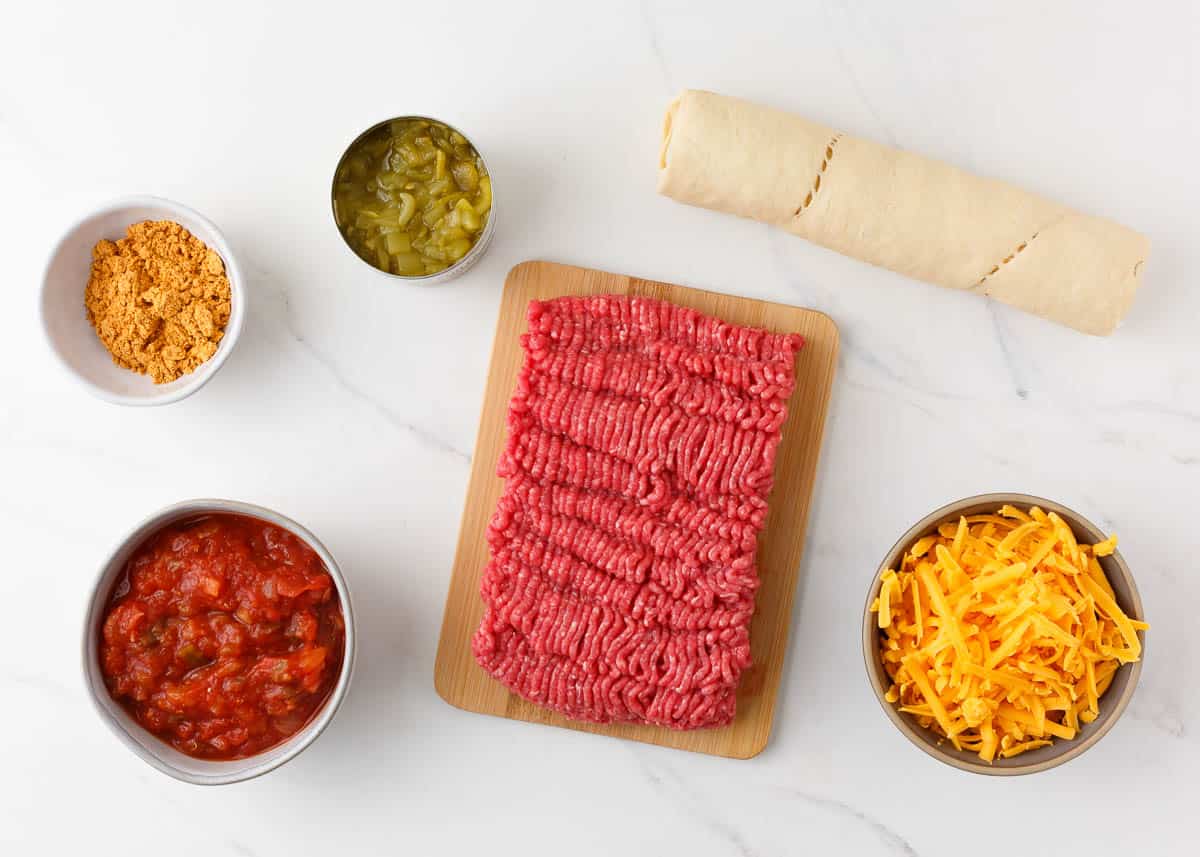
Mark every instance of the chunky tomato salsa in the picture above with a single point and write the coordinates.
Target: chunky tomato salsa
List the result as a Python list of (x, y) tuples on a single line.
[(223, 636)]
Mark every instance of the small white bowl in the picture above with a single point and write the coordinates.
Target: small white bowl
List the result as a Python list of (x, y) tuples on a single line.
[(154, 751), (71, 336)]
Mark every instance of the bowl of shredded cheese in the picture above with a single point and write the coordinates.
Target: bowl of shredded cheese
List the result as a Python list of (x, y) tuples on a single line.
[(1003, 634)]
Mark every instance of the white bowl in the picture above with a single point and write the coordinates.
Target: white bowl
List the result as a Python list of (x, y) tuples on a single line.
[(64, 319), (158, 753)]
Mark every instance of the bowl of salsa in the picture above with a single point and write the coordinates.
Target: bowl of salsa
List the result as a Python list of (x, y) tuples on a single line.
[(219, 640)]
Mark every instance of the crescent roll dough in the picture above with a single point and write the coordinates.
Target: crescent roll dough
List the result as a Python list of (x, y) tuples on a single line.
[(921, 218)]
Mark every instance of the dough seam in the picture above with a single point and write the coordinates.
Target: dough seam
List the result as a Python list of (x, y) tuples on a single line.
[(996, 268), (817, 182)]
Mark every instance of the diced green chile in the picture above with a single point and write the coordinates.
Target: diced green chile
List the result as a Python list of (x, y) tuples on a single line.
[(412, 198)]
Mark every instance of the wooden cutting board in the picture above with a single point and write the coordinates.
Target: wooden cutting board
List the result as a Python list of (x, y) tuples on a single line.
[(462, 683)]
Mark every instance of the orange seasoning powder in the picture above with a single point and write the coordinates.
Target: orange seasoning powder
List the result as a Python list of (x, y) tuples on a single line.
[(159, 299)]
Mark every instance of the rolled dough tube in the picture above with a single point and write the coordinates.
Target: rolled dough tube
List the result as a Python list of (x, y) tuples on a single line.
[(919, 217)]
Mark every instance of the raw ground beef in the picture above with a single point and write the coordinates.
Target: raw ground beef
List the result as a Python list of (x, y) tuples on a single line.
[(640, 451)]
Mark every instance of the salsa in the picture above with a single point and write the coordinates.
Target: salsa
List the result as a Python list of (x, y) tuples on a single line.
[(223, 636)]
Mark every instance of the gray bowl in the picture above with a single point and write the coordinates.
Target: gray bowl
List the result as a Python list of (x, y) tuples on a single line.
[(157, 753), (1112, 703)]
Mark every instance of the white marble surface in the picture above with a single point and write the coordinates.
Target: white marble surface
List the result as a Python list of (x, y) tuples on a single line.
[(351, 403)]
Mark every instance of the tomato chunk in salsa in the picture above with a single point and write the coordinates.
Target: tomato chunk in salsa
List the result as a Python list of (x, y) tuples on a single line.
[(223, 637)]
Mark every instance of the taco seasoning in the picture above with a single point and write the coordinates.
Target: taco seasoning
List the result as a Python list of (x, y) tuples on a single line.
[(159, 299)]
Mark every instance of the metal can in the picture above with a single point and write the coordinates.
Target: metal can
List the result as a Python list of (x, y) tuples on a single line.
[(477, 249)]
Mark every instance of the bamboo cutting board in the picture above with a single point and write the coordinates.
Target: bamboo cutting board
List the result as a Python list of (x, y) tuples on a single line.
[(462, 683)]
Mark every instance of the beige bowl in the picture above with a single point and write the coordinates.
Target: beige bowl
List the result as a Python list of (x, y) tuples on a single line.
[(1112, 703)]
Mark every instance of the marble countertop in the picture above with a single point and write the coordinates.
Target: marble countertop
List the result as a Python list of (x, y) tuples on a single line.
[(351, 403)]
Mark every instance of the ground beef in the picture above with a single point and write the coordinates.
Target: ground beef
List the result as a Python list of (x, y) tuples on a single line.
[(640, 452)]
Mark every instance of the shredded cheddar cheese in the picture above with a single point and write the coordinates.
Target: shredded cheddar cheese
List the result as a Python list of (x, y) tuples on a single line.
[(1001, 632)]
